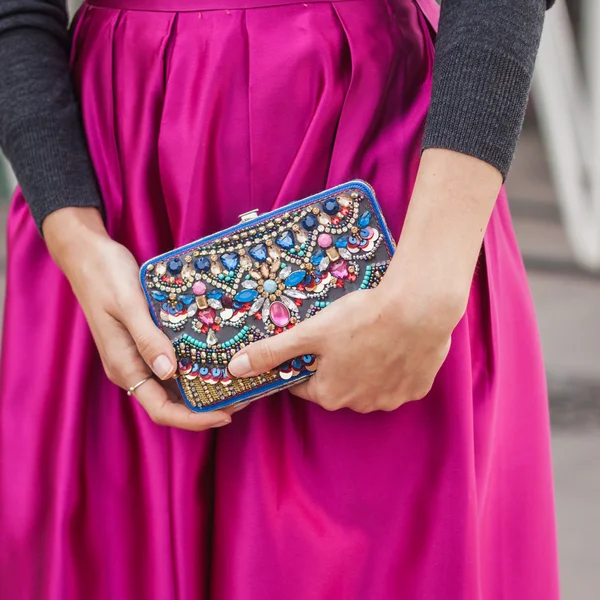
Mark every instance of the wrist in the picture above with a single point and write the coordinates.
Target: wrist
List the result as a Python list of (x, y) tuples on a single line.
[(70, 232)]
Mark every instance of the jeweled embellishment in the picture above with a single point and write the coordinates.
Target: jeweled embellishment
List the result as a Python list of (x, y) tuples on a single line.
[(202, 264), (286, 240), (174, 266), (279, 313), (230, 261), (246, 296), (259, 252), (295, 278)]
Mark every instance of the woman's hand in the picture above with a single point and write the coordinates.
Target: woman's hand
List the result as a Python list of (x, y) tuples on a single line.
[(104, 278), (380, 348), (375, 352)]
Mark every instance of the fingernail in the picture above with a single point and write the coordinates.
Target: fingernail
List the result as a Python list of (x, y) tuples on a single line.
[(222, 423), (239, 365), (162, 366)]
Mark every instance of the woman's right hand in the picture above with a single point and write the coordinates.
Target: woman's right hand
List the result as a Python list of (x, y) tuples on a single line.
[(104, 277)]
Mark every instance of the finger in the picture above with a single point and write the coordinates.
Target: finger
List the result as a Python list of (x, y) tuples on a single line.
[(153, 345), (264, 355), (155, 400), (307, 390)]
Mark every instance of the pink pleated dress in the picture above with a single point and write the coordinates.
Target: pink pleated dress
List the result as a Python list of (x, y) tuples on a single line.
[(197, 111)]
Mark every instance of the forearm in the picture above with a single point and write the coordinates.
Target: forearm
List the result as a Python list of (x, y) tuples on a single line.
[(40, 126), (452, 201)]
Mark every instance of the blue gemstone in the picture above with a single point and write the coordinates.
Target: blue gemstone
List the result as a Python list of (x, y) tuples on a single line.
[(342, 241), (270, 286), (307, 279), (352, 240), (297, 364), (187, 300), (317, 257), (216, 294), (307, 358), (310, 222), (165, 306), (364, 233), (286, 240), (230, 261), (364, 219), (202, 264), (237, 305), (259, 252), (246, 296), (160, 296), (295, 278), (331, 206), (174, 266)]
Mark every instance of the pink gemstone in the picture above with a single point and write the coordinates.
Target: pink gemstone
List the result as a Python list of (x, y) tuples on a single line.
[(279, 314), (199, 288), (207, 316), (324, 240), (339, 269)]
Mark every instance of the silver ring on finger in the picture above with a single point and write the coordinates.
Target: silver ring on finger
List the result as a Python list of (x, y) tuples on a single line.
[(131, 390)]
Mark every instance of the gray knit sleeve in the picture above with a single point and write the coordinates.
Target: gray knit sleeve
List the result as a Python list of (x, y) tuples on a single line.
[(41, 132), (485, 54)]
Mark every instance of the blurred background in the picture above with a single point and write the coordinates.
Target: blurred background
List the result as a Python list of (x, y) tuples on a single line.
[(554, 188)]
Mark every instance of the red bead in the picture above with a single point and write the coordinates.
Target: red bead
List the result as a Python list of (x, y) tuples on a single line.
[(298, 301), (216, 328), (258, 316), (335, 221)]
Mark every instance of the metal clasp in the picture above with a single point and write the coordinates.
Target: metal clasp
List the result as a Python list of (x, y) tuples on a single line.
[(248, 216)]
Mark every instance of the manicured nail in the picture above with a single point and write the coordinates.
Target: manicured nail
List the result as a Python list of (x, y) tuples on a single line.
[(239, 365), (162, 366), (222, 423)]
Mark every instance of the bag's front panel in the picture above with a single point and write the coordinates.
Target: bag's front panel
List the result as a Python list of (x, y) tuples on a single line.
[(217, 295)]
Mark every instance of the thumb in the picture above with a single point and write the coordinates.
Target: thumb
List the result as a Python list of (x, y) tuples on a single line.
[(264, 355), (152, 344)]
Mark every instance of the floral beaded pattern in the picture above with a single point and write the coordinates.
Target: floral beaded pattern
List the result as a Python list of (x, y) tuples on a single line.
[(259, 278)]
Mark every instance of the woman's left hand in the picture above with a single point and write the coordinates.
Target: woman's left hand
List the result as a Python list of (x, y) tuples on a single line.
[(374, 351), (378, 349)]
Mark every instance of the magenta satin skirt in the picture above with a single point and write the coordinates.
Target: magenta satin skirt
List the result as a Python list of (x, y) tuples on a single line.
[(197, 111)]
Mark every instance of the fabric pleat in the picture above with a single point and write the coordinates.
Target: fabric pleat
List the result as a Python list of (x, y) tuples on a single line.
[(194, 117)]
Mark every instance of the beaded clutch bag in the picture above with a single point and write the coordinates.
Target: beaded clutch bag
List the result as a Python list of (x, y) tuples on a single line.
[(259, 278)]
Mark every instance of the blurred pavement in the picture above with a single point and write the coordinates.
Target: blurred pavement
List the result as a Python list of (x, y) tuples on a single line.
[(568, 307)]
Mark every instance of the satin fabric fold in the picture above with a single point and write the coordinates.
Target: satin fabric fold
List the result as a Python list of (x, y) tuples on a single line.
[(193, 118)]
